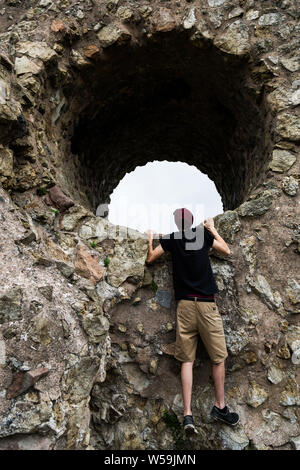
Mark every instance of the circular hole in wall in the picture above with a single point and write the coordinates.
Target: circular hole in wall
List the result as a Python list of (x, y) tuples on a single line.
[(147, 196)]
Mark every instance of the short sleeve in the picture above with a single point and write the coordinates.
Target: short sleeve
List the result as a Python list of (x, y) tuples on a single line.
[(166, 242), (208, 236)]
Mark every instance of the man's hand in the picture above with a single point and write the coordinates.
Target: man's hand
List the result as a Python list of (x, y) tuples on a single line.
[(157, 252), (218, 244), (209, 223), (150, 234)]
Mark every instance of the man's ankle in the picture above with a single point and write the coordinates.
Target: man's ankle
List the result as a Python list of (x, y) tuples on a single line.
[(187, 413), (220, 404)]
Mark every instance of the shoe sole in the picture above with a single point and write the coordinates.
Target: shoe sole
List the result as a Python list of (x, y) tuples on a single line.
[(190, 429), (226, 422)]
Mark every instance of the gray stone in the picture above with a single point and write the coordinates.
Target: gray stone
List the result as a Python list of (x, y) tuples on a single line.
[(224, 274), (73, 216), (292, 64), (233, 439), (261, 287), (273, 419), (288, 126), (58, 110), (98, 227), (107, 292), (216, 19), (4, 91), (78, 60), (256, 395), (136, 301), (113, 34), (39, 329), (296, 84), (162, 277), (290, 185), (296, 356), (216, 3), (45, 3), (27, 238), (80, 14), (10, 112), (236, 340), (23, 418), (270, 18), (128, 261), (135, 377), (275, 374), (290, 415), (293, 291), (79, 379), (6, 162), (25, 65), (290, 395), (249, 251), (252, 15), (36, 50), (249, 316), (164, 298), (153, 366), (31, 86), (295, 441), (255, 207), (145, 11), (95, 326), (66, 269), (124, 13), (235, 12), (235, 39), (6, 335), (190, 19), (295, 98), (227, 224), (282, 160), (10, 305), (293, 337), (282, 97), (46, 291)]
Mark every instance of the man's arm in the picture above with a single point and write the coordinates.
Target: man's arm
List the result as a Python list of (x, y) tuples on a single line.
[(155, 253), (218, 244)]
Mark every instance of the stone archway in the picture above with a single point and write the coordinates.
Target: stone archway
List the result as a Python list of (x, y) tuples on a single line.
[(81, 104), (168, 98)]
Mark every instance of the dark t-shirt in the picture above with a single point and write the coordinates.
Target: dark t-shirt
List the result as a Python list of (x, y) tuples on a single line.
[(192, 272)]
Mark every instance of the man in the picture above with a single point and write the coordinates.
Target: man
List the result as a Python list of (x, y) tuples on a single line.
[(197, 311)]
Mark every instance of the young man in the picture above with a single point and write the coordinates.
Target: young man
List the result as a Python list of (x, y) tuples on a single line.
[(197, 311)]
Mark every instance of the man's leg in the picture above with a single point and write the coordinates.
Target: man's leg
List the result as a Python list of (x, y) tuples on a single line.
[(187, 385), (185, 349), (220, 410), (212, 333), (218, 372)]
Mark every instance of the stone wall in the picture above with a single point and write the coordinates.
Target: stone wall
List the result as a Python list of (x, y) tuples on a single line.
[(89, 90)]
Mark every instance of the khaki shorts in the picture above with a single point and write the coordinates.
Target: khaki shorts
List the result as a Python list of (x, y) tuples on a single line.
[(204, 318)]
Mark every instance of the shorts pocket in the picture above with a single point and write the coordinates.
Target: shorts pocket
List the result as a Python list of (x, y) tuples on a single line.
[(212, 316), (211, 308)]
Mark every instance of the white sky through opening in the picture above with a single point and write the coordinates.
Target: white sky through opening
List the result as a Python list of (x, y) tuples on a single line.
[(147, 197)]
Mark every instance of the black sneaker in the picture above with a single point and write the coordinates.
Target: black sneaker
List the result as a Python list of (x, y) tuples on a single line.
[(225, 415), (188, 424)]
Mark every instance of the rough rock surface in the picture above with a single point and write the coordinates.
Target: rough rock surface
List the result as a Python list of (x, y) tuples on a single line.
[(88, 91)]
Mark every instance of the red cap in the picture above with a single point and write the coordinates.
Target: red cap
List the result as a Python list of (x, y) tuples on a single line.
[(183, 214)]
